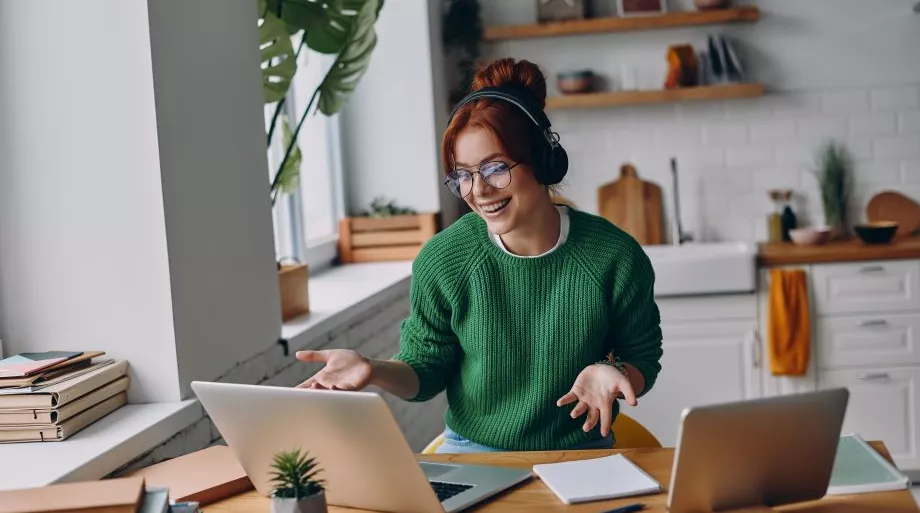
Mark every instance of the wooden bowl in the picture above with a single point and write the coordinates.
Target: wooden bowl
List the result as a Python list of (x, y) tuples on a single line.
[(880, 232)]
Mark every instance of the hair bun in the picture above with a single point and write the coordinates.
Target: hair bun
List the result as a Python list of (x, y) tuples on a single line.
[(511, 73)]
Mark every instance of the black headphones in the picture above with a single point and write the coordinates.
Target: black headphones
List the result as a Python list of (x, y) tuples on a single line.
[(551, 162)]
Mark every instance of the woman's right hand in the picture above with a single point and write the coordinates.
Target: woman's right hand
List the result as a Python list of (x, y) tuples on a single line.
[(344, 369)]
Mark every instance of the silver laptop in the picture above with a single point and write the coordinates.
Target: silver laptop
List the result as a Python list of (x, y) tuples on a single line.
[(365, 460), (760, 452)]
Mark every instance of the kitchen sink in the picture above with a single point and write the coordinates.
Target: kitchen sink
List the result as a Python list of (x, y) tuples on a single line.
[(703, 268)]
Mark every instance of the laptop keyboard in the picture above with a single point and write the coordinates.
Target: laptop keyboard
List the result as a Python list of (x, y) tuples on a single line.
[(447, 490)]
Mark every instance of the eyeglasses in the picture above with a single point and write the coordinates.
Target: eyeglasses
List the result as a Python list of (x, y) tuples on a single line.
[(497, 174)]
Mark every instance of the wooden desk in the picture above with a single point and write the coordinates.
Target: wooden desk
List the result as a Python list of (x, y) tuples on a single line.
[(534, 497)]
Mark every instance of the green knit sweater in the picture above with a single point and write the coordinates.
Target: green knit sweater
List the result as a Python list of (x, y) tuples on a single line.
[(507, 336)]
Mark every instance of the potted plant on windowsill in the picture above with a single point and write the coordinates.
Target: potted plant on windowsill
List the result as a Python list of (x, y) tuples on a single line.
[(385, 232), (297, 487), (344, 28)]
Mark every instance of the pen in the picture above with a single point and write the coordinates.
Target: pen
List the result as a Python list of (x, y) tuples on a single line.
[(627, 509)]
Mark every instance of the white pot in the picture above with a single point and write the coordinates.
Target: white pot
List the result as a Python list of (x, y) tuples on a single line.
[(313, 504)]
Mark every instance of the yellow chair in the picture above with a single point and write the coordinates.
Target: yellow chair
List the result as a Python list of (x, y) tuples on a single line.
[(629, 435)]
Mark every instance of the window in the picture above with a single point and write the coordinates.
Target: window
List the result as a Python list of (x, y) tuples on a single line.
[(306, 220)]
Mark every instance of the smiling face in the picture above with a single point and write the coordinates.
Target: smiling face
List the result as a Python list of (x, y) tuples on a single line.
[(503, 209)]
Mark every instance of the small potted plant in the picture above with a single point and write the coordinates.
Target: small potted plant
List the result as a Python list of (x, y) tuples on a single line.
[(297, 488)]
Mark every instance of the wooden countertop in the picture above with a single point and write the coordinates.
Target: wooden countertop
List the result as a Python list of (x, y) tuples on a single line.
[(851, 250), (534, 497)]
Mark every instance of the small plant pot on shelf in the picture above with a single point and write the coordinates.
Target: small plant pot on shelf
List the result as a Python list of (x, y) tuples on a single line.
[(293, 287), (379, 239), (313, 504)]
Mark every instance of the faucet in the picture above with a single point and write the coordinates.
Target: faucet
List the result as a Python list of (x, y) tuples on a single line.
[(679, 236)]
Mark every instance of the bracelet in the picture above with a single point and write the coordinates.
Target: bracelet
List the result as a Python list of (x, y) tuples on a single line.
[(616, 363)]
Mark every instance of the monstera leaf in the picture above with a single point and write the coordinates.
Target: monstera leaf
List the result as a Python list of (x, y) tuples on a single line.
[(352, 60), (278, 58), (324, 22)]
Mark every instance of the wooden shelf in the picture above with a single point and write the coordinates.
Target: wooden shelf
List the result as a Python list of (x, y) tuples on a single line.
[(624, 98), (601, 25)]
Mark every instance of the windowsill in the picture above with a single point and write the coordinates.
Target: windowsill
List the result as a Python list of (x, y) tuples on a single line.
[(340, 294), (337, 296), (97, 450)]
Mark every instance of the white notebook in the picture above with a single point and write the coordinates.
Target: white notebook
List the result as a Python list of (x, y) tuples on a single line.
[(610, 477)]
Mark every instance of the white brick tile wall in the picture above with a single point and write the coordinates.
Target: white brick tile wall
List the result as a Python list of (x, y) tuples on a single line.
[(845, 102), (860, 147), (773, 131), (895, 98), (678, 135), (776, 178), (794, 153), (822, 128), (878, 173), (909, 122), (796, 105), (903, 147), (880, 123), (910, 172), (749, 156), (725, 134), (731, 152)]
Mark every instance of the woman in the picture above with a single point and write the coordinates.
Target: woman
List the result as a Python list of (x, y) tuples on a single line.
[(517, 307)]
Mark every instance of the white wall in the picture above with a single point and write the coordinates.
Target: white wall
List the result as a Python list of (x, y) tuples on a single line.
[(83, 249), (134, 215), (823, 80), (215, 186), (390, 138)]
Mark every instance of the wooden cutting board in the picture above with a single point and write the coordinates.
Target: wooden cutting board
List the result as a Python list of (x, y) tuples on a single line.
[(894, 206), (633, 205)]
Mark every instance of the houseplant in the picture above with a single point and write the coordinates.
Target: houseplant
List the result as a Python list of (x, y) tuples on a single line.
[(344, 28), (834, 174), (386, 231), (297, 489)]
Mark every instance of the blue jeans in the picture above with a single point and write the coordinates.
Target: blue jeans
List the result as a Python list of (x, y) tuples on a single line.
[(456, 444)]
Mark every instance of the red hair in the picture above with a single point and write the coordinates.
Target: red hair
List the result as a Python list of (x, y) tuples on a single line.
[(514, 130)]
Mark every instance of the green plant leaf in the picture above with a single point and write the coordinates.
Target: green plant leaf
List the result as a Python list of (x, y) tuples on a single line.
[(324, 22), (290, 173), (278, 61), (352, 61)]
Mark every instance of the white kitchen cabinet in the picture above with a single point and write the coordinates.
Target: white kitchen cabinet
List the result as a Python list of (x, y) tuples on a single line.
[(865, 340), (710, 356), (883, 405), (865, 328), (888, 286)]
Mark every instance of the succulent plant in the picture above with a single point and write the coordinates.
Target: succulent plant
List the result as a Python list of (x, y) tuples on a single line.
[(294, 475)]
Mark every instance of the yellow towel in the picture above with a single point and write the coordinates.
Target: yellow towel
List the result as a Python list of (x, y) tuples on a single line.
[(789, 322)]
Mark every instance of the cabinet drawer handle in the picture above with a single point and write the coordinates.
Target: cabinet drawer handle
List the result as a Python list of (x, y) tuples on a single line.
[(871, 269), (872, 322), (866, 376)]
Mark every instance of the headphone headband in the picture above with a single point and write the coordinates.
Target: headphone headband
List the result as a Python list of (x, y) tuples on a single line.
[(518, 96)]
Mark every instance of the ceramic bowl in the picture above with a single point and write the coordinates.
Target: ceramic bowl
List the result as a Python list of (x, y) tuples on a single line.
[(575, 82), (706, 5), (880, 232), (810, 236)]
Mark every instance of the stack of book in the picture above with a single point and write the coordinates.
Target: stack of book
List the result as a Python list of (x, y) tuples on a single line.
[(47, 397), (122, 495)]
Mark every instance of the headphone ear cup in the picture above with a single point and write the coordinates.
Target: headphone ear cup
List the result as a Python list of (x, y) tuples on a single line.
[(556, 165)]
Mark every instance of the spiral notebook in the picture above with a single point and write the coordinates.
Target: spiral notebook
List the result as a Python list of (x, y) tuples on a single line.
[(610, 477)]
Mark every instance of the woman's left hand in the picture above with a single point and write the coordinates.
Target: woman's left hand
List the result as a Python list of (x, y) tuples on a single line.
[(595, 389)]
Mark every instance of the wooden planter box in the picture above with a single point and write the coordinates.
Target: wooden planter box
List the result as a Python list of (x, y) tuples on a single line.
[(293, 288), (378, 239)]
